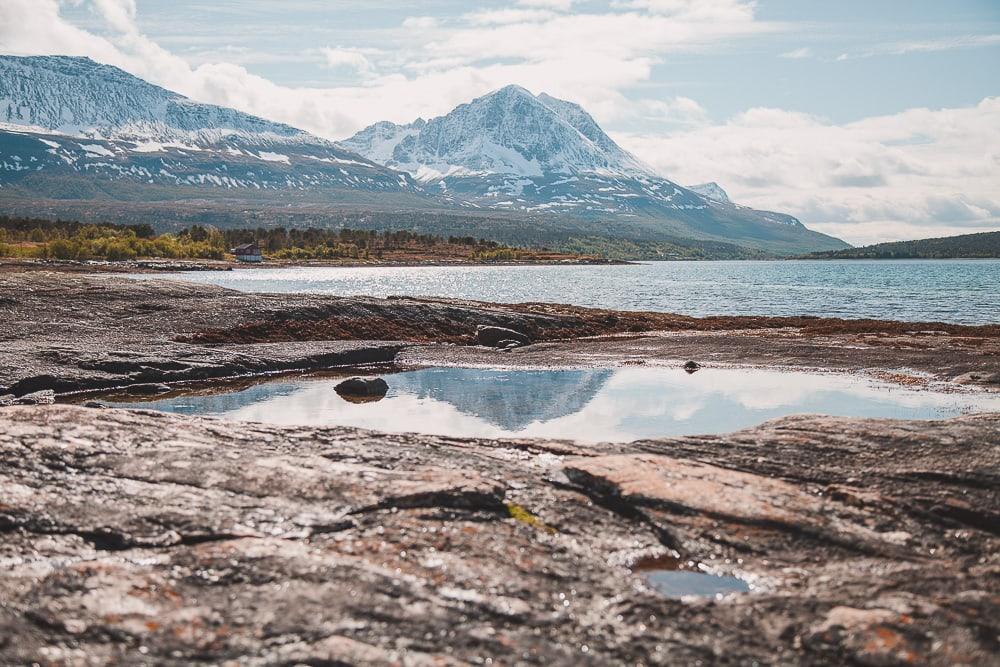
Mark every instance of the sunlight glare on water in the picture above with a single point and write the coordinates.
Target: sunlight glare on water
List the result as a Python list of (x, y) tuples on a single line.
[(958, 291)]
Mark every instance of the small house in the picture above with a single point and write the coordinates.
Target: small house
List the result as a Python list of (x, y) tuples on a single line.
[(248, 252)]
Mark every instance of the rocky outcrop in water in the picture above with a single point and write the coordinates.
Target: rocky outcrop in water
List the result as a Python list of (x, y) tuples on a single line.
[(138, 537)]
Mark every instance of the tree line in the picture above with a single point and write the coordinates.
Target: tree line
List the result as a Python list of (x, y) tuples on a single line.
[(71, 240)]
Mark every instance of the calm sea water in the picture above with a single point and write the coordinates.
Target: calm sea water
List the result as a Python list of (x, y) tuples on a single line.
[(582, 404), (960, 291)]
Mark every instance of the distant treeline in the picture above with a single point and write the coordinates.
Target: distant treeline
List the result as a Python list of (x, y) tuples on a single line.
[(971, 246), (71, 240)]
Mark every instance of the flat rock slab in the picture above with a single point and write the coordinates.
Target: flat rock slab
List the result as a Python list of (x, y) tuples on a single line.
[(138, 537)]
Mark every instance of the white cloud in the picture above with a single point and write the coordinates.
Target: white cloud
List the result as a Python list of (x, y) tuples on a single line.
[(798, 54), (351, 58), (420, 22), (925, 46), (700, 10), (908, 175), (504, 16), (120, 14), (556, 5)]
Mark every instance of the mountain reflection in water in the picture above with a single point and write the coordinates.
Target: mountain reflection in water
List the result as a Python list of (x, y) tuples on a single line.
[(588, 405)]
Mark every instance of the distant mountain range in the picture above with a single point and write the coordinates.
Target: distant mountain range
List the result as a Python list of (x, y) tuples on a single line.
[(972, 246), (75, 132)]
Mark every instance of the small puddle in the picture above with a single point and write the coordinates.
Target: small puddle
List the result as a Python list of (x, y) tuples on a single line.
[(588, 405), (674, 578)]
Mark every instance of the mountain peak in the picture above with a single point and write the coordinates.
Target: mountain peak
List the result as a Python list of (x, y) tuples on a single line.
[(511, 90), (508, 131), (711, 190)]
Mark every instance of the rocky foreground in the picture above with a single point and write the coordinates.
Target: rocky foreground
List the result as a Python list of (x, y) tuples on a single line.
[(136, 537), (132, 537)]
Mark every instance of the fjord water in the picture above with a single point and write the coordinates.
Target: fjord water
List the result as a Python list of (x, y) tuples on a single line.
[(581, 404), (957, 291)]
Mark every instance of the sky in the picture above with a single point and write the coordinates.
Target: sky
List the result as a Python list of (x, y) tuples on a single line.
[(868, 119)]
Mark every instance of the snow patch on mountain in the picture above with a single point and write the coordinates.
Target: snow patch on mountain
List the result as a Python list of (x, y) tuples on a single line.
[(711, 191)]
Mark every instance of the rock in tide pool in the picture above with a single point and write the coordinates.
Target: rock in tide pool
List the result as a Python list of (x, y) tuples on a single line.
[(500, 336), (362, 389)]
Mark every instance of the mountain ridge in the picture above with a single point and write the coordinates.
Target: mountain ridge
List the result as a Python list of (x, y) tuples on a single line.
[(514, 151), (73, 130)]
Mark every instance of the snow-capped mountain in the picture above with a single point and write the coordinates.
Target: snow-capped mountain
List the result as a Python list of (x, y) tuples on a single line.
[(510, 132), (64, 116), (711, 191), (511, 150)]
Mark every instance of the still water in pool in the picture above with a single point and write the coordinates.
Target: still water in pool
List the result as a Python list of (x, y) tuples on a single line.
[(587, 405)]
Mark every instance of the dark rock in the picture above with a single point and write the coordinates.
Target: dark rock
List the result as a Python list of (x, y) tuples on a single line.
[(95, 404), (496, 336), (149, 389), (368, 388), (692, 366)]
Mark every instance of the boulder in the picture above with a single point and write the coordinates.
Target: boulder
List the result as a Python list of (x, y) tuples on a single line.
[(362, 388), (494, 336)]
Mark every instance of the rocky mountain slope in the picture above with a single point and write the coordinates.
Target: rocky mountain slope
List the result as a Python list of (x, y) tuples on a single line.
[(73, 127), (514, 151)]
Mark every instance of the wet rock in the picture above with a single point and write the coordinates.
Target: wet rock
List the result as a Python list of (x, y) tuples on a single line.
[(508, 344), (499, 336), (691, 367), (95, 404), (359, 387), (149, 389)]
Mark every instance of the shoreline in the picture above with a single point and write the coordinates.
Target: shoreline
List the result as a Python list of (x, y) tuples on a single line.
[(72, 332), (9, 265)]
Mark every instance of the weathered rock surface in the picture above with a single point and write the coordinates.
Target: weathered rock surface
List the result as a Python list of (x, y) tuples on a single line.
[(138, 537)]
